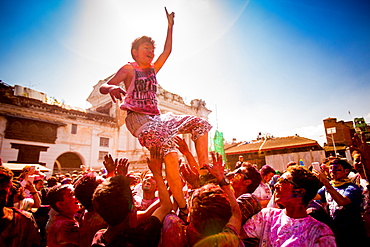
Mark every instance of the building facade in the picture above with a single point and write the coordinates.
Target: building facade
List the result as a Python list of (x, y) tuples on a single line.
[(338, 137), (38, 129)]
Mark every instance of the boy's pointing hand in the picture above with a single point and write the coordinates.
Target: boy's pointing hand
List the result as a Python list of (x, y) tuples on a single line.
[(170, 17)]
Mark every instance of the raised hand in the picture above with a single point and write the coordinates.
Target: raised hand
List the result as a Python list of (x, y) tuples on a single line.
[(190, 174), (321, 176), (29, 186), (155, 161), (110, 165), (170, 17), (122, 167), (181, 145), (360, 145), (218, 168)]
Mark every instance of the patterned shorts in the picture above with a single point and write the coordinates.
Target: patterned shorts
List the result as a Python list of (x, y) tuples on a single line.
[(159, 130)]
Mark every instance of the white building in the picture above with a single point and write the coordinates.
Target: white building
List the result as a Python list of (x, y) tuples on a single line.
[(37, 129)]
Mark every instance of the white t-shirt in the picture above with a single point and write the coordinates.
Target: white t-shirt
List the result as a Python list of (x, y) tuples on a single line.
[(274, 228), (263, 192)]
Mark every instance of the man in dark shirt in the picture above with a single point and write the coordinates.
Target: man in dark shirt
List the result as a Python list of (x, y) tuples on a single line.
[(343, 200), (114, 202)]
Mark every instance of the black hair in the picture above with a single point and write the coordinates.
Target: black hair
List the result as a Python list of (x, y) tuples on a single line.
[(113, 200), (56, 194), (305, 179), (84, 189)]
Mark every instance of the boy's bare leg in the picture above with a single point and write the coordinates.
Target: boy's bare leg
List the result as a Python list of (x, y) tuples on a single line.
[(173, 177), (201, 146)]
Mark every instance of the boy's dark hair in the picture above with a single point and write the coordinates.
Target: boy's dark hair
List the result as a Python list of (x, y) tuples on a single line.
[(84, 189), (266, 169), (113, 200), (305, 179), (342, 163), (52, 181), (139, 41), (255, 176), (210, 209), (56, 194)]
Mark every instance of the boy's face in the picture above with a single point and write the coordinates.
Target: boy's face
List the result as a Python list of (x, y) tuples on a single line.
[(338, 172), (69, 204), (144, 54)]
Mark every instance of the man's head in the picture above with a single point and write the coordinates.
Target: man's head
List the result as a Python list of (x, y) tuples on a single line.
[(241, 158), (38, 182), (143, 41), (291, 163), (210, 211), (149, 185), (297, 184), (357, 163), (62, 199), (113, 200), (85, 187), (6, 176), (30, 170), (339, 169), (267, 172), (246, 179), (52, 181)]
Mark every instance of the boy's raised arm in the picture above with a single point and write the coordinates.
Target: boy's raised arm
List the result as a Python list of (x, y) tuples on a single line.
[(168, 45)]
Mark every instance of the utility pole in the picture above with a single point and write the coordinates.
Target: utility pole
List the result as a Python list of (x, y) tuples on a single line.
[(332, 131)]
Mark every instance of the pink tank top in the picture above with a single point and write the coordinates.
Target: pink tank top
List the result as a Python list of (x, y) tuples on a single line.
[(142, 93)]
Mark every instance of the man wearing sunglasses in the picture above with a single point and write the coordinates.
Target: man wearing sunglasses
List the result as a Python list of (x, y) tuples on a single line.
[(245, 179), (291, 226)]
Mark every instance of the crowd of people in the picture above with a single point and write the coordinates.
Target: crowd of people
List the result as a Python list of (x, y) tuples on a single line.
[(193, 203), (306, 207)]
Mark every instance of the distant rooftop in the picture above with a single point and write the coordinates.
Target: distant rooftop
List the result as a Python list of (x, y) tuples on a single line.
[(271, 144)]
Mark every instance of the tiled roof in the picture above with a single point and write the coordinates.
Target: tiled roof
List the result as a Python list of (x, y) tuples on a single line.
[(231, 145), (272, 144)]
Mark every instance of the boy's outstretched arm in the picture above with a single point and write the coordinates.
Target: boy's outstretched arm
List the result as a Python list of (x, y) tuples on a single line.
[(124, 74), (168, 45)]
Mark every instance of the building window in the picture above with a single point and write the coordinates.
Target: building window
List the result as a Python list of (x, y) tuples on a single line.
[(74, 129), (104, 142), (102, 154)]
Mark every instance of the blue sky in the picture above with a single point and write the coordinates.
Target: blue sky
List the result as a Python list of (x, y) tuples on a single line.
[(277, 67)]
